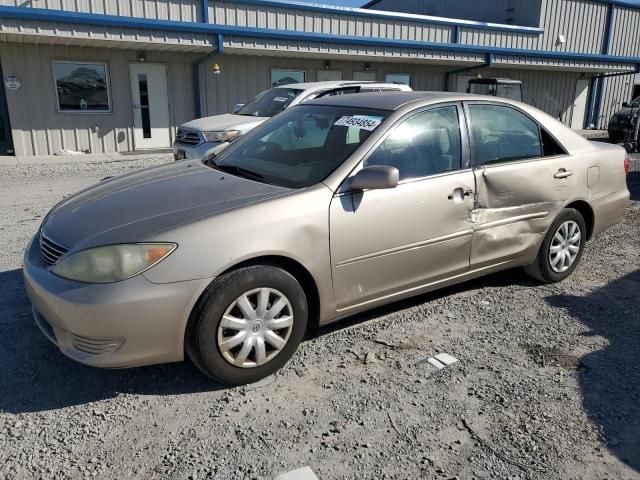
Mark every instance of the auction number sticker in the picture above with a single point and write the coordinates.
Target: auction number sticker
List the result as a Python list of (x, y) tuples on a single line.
[(362, 122)]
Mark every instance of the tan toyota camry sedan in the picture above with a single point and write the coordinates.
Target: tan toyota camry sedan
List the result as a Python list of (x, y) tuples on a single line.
[(333, 207)]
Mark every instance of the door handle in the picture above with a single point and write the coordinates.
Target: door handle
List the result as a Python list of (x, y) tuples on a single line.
[(563, 173), (460, 192)]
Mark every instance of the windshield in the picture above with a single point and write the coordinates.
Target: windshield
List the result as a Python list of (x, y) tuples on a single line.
[(300, 147), (270, 103), (635, 103)]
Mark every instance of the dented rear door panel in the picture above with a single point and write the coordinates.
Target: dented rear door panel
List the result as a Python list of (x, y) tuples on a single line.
[(515, 204)]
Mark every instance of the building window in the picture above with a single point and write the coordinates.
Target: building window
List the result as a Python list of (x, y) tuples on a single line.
[(285, 77), (404, 78), (82, 87)]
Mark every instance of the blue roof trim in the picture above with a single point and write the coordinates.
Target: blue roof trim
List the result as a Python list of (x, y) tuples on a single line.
[(361, 12), (41, 14)]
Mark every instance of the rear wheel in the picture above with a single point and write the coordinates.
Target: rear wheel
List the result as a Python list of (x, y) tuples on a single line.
[(247, 325), (561, 249)]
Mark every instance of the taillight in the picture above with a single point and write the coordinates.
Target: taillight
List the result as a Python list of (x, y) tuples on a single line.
[(626, 165)]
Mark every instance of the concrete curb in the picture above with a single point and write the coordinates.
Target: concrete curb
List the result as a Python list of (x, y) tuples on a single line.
[(84, 158)]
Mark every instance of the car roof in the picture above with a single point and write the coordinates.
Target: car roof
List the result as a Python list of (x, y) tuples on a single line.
[(336, 84), (387, 100)]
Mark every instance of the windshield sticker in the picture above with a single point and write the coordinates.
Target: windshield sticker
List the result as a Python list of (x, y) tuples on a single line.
[(363, 122), (280, 99)]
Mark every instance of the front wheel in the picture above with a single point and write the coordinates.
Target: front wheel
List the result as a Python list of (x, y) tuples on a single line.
[(247, 325), (561, 249)]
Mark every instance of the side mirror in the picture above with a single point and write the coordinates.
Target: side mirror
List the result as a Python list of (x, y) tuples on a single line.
[(375, 177), (237, 108), (625, 104)]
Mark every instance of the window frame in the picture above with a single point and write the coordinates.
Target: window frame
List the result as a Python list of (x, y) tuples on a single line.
[(386, 80), (472, 142), (465, 151), (82, 112), (304, 74)]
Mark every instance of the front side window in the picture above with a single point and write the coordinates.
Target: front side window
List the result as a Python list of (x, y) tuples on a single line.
[(270, 103), (425, 144), (503, 134), (301, 146), (82, 87)]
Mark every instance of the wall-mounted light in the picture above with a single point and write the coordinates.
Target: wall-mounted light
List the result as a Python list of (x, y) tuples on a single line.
[(326, 65), (216, 68), (142, 57), (367, 67), (561, 39)]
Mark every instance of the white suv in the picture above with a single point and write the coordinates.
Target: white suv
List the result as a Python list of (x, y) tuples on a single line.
[(199, 137)]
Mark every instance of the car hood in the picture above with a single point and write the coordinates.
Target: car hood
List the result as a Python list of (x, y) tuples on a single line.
[(134, 207), (224, 122)]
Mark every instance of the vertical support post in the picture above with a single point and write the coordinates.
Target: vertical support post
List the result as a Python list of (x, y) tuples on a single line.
[(205, 11), (606, 47), (456, 34), (592, 97), (196, 89)]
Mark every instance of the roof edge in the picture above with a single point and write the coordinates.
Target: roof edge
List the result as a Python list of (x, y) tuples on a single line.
[(621, 3), (363, 12)]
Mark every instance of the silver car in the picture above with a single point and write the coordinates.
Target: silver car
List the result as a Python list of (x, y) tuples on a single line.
[(328, 209), (204, 136)]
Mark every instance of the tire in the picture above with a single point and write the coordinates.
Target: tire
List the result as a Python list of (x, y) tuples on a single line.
[(208, 338), (542, 269)]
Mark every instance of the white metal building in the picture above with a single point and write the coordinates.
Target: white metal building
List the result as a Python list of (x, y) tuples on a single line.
[(121, 75)]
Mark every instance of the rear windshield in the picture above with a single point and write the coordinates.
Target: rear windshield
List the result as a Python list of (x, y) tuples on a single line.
[(270, 103), (300, 147)]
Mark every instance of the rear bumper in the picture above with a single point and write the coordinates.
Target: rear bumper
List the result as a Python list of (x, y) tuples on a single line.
[(609, 210), (123, 324)]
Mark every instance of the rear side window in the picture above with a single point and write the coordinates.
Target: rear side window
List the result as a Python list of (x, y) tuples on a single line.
[(503, 134)]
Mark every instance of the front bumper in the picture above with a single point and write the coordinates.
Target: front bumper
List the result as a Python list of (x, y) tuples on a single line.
[(182, 152), (123, 324)]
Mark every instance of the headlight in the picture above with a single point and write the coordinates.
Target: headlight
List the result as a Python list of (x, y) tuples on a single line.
[(217, 137), (112, 263)]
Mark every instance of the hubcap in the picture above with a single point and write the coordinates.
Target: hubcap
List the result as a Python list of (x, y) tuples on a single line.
[(565, 246), (255, 327)]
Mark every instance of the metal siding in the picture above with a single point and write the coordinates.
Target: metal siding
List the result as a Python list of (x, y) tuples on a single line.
[(616, 91), (526, 12), (626, 26), (56, 32), (280, 18), (243, 77), (181, 10), (38, 129)]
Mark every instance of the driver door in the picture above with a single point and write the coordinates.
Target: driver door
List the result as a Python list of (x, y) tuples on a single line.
[(389, 242)]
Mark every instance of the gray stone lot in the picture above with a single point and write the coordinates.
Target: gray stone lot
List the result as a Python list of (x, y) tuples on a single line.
[(546, 386)]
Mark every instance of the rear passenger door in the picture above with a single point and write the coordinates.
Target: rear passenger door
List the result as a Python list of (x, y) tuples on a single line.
[(523, 178)]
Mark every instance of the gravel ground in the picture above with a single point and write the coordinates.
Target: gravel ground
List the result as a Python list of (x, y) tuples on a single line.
[(547, 386)]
